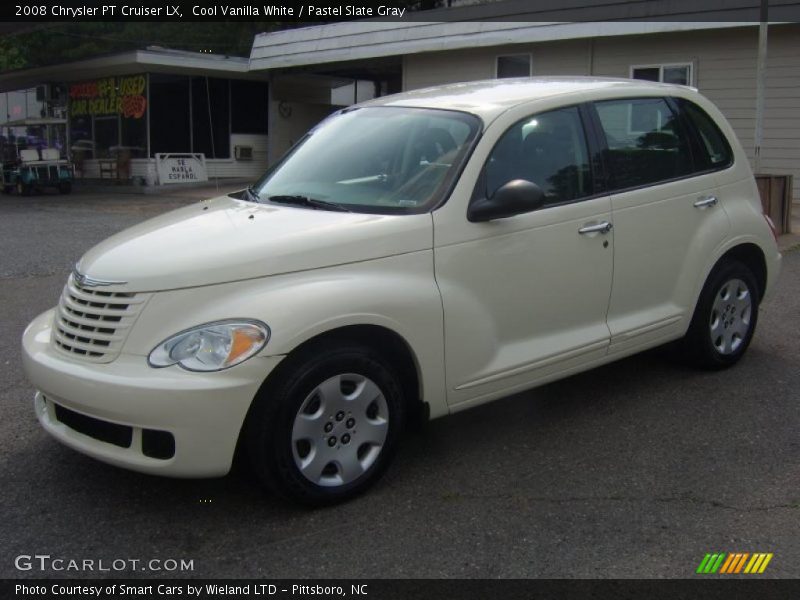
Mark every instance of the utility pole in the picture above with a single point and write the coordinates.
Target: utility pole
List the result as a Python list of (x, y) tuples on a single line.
[(761, 76)]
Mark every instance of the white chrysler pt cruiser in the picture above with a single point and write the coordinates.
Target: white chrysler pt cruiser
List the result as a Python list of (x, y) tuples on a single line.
[(413, 255)]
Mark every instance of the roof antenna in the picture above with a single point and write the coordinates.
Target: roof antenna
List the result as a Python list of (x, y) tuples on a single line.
[(211, 131)]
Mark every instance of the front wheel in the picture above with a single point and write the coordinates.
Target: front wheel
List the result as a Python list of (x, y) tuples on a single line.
[(65, 187), (725, 317), (326, 428), (23, 189)]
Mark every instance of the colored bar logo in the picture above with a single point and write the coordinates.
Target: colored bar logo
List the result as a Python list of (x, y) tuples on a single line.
[(734, 563)]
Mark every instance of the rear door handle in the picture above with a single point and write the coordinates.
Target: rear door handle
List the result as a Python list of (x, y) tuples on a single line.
[(602, 227), (705, 202)]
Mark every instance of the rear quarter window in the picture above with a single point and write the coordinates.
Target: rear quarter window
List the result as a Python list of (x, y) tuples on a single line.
[(713, 151)]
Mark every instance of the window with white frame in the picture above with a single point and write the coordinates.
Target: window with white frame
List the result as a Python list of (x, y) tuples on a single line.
[(513, 65), (680, 73)]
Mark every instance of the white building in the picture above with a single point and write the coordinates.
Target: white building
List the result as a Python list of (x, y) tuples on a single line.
[(295, 77), (112, 115), (718, 57)]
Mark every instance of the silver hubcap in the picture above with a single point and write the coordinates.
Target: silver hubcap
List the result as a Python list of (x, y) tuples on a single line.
[(340, 430), (730, 316)]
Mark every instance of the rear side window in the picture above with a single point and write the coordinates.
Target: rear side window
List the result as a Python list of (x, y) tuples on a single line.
[(548, 149), (646, 144), (714, 151)]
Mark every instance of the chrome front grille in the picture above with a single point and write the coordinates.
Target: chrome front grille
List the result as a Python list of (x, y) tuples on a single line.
[(94, 322)]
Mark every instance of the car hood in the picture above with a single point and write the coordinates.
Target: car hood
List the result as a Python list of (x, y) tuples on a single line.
[(225, 239)]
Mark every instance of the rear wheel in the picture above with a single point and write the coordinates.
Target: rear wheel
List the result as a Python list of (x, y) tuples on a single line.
[(65, 187), (725, 317), (327, 427)]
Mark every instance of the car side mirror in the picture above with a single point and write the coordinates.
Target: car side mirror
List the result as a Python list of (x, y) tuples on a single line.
[(512, 198)]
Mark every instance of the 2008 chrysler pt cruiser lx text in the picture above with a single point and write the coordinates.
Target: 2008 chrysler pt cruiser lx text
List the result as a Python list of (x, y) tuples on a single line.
[(416, 254)]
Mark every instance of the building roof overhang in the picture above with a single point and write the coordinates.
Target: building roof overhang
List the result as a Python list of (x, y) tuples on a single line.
[(151, 60), (348, 41)]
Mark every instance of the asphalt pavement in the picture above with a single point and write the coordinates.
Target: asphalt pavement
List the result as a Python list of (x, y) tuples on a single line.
[(635, 469)]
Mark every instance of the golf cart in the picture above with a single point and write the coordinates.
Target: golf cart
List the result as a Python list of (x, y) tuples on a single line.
[(34, 169), (30, 158)]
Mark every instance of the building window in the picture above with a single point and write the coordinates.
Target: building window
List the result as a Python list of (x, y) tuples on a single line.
[(134, 136), (358, 90), (107, 117), (249, 101), (34, 100), (680, 74), (513, 65), (106, 136), (170, 123), (211, 115), (81, 136), (17, 105)]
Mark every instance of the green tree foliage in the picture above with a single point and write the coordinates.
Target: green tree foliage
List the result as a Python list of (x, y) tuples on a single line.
[(11, 55), (63, 42), (72, 41)]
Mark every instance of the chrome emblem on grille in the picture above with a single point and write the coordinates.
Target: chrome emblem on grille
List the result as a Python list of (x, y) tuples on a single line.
[(83, 281)]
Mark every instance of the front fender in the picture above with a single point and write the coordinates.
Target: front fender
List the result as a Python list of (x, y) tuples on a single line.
[(398, 293)]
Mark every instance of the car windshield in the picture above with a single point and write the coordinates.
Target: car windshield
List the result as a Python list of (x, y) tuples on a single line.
[(377, 159)]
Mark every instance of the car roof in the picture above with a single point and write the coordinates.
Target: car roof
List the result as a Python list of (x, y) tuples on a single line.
[(491, 97)]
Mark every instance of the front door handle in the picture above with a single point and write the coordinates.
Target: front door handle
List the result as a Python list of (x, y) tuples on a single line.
[(602, 227), (705, 202)]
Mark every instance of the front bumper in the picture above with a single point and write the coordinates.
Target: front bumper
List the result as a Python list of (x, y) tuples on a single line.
[(204, 412)]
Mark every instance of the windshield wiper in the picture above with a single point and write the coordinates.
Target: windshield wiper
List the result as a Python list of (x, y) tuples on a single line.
[(307, 202)]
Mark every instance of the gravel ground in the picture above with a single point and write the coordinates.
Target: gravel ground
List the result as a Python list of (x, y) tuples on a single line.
[(636, 469)]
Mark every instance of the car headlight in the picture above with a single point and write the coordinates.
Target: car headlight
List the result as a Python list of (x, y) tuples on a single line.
[(211, 347)]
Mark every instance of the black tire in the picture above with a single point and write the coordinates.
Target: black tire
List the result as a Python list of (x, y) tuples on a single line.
[(270, 423), (65, 187), (7, 189), (708, 348)]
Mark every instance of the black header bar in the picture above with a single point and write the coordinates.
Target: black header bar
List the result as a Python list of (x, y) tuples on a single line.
[(732, 588), (26, 12)]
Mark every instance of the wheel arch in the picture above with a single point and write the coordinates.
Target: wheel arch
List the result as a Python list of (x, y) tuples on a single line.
[(385, 341), (746, 251), (695, 347), (752, 256)]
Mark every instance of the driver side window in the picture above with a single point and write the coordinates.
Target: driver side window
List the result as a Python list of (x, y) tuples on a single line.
[(548, 149)]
